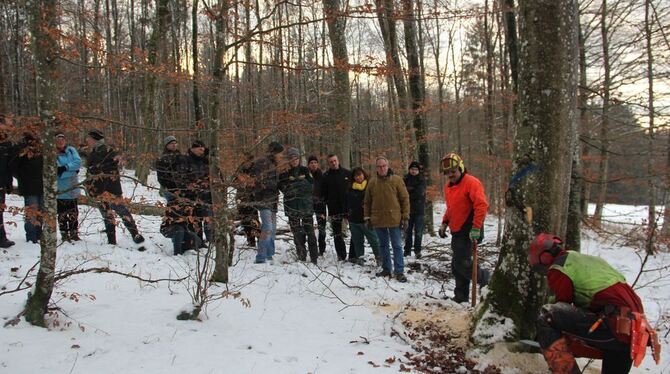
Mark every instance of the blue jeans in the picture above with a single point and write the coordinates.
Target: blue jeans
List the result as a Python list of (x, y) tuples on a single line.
[(32, 217), (266, 243), (415, 227), (392, 234)]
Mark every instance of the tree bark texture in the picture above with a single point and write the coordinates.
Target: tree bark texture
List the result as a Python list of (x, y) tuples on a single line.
[(45, 53), (543, 141), (342, 97)]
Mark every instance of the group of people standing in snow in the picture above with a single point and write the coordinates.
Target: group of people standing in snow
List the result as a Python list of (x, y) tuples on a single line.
[(24, 161), (381, 209), (598, 315)]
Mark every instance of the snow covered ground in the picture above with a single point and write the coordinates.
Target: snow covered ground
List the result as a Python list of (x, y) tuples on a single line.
[(290, 317)]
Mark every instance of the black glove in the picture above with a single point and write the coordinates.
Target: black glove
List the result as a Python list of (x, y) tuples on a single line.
[(61, 170)]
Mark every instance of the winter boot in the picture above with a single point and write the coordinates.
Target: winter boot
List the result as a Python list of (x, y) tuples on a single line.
[(560, 359), (65, 236), (5, 243), (74, 236), (401, 278), (383, 273), (138, 238), (417, 255)]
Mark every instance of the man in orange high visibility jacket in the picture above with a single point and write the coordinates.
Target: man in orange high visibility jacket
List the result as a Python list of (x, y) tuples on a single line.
[(466, 210)]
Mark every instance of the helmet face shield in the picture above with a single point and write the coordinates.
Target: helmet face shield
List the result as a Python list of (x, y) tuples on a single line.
[(544, 248), (452, 162)]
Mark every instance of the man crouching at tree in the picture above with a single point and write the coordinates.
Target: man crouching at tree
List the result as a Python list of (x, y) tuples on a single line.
[(596, 313)]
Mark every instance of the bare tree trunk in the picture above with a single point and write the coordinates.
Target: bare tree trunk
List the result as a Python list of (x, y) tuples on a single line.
[(342, 109), (603, 168), (197, 108), (45, 49), (547, 121), (220, 218), (651, 170), (417, 95)]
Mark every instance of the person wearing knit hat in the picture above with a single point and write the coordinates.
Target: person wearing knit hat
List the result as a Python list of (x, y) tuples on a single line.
[(319, 205), (169, 139), (103, 181), (416, 187), (266, 198), (292, 153), (170, 168), (275, 147), (96, 134), (297, 187), (199, 191)]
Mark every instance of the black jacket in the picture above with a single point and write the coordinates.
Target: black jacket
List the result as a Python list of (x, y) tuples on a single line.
[(334, 189), (170, 170), (416, 186), (319, 204), (356, 200), (197, 178), (103, 171), (7, 154), (27, 168), (297, 186), (266, 179)]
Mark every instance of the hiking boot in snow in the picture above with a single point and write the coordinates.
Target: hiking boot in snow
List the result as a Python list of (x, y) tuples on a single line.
[(401, 278), (74, 236), (6, 243), (417, 255), (378, 259), (383, 273), (138, 238)]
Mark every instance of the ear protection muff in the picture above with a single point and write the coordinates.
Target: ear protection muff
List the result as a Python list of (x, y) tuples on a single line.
[(554, 247)]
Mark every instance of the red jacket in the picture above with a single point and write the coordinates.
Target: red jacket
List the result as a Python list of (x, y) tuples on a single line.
[(462, 198)]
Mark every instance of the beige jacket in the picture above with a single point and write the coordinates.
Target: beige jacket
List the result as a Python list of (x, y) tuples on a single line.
[(386, 201)]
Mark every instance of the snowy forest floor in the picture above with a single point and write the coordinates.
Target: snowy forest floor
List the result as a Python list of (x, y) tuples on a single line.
[(286, 317)]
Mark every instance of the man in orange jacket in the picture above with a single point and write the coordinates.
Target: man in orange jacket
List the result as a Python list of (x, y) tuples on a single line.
[(466, 210)]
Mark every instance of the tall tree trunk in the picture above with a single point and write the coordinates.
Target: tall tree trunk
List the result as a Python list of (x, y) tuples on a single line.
[(417, 96), (547, 121), (651, 170), (221, 214), (197, 108), (603, 168), (512, 42), (342, 109), (44, 23)]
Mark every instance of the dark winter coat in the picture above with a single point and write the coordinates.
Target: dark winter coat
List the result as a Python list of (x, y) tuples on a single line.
[(319, 204), (416, 187), (266, 179), (170, 170), (197, 178), (334, 189), (178, 213), (7, 154), (297, 186), (356, 200), (102, 167), (27, 168)]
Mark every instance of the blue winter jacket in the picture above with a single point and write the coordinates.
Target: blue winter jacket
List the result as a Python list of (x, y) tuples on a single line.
[(66, 181)]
